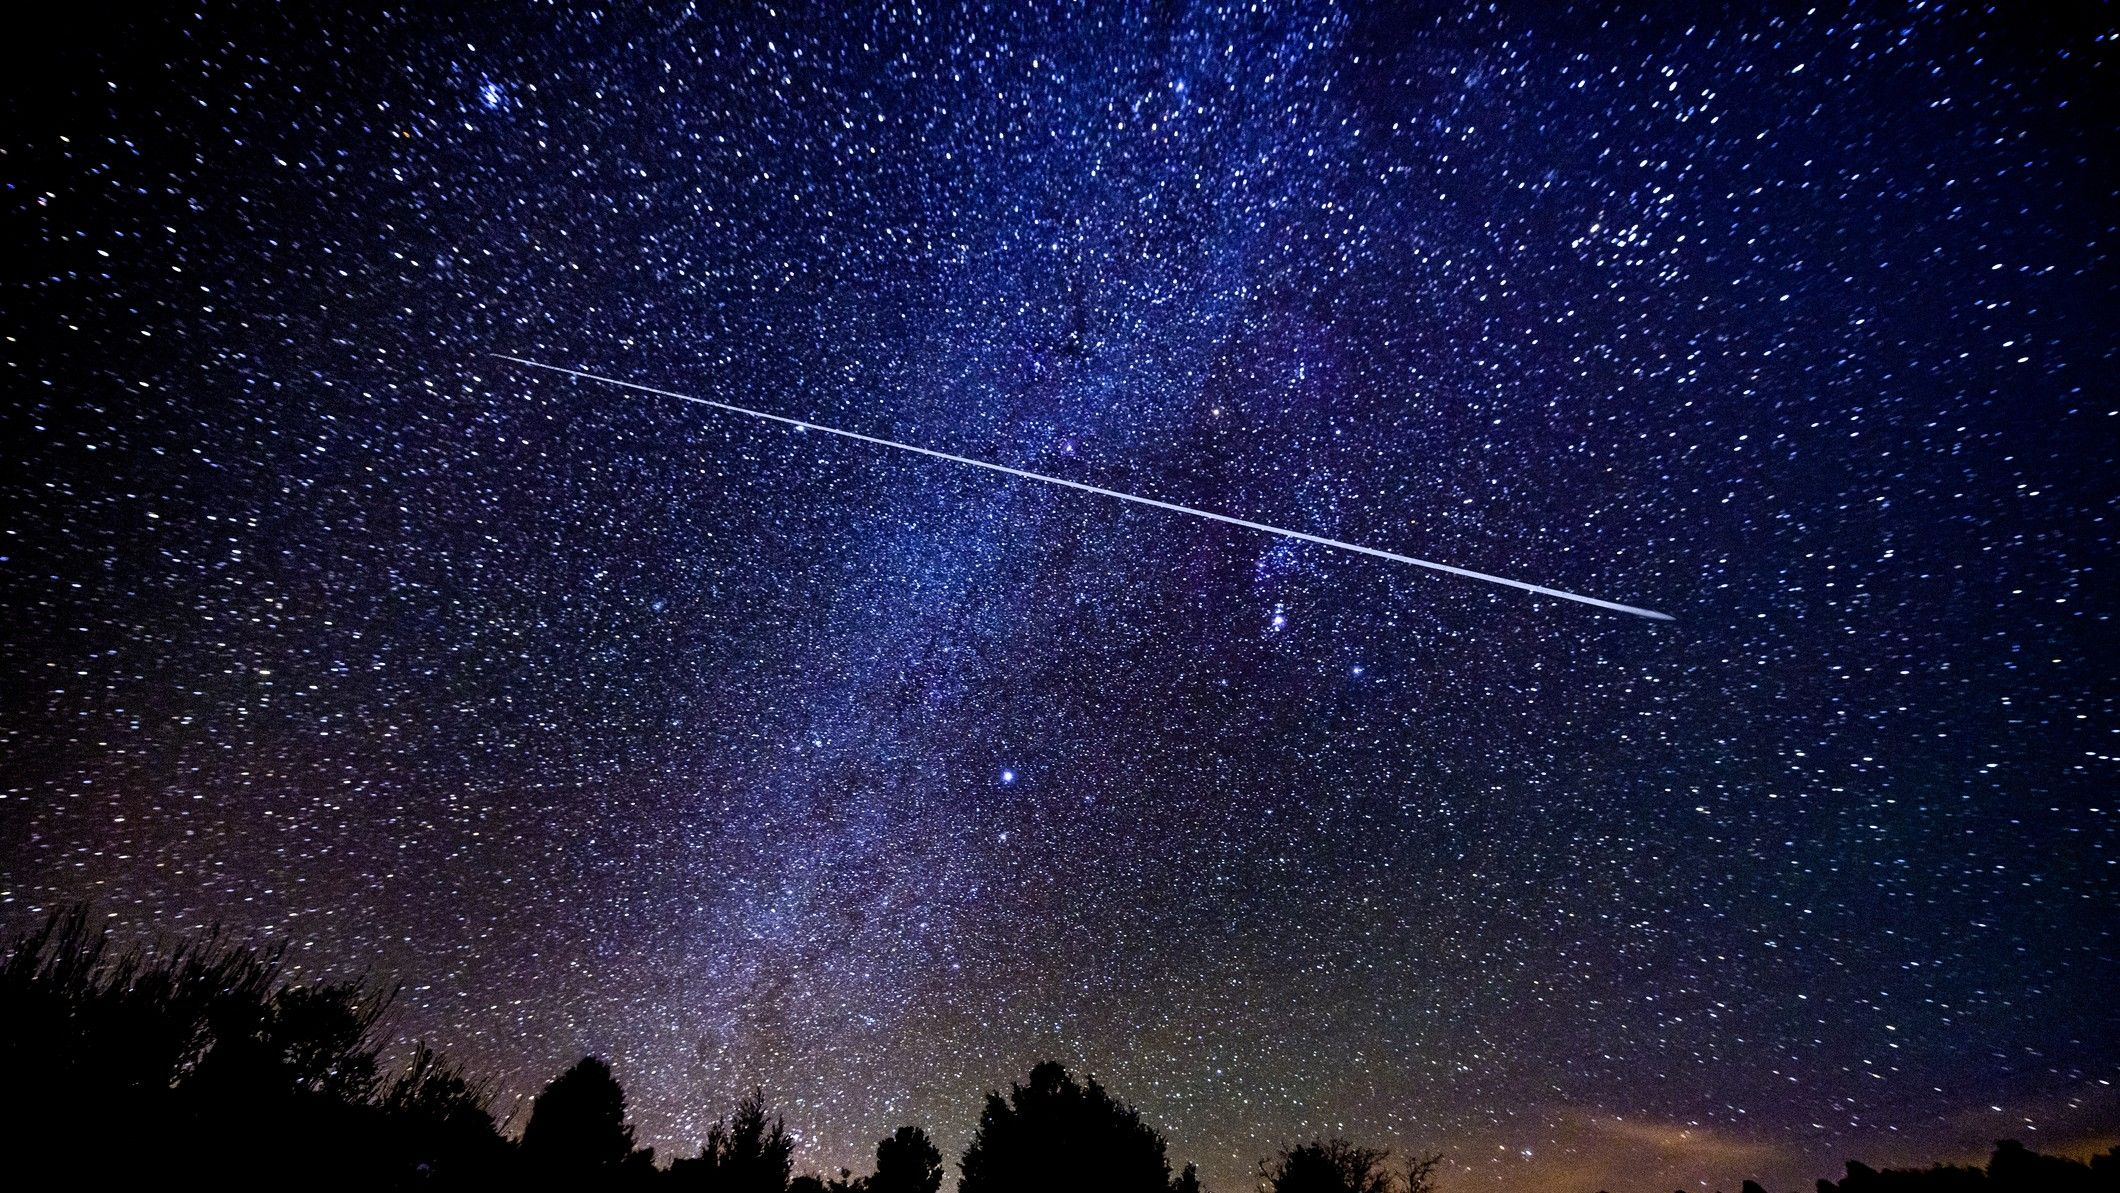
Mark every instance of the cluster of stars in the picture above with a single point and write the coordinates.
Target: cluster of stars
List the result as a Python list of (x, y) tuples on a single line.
[(743, 755)]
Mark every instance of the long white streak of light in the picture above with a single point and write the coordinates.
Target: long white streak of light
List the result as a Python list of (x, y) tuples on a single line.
[(803, 424)]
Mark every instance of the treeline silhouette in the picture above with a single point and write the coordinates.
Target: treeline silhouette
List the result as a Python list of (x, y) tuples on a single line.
[(202, 1063)]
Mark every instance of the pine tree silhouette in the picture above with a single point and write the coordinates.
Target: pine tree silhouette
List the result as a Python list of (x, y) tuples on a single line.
[(743, 1154)]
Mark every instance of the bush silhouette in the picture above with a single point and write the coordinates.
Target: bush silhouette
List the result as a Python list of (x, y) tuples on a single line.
[(210, 1065), (443, 1119), (1055, 1134)]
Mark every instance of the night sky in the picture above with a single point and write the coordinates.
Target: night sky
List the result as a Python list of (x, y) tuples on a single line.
[(740, 754)]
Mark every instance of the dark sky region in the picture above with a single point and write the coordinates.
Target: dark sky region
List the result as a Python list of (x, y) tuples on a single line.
[(741, 754)]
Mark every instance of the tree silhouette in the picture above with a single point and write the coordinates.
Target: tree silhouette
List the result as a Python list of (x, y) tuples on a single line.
[(1420, 1172), (906, 1162), (743, 1154), (1055, 1134), (1327, 1166), (1337, 1166), (577, 1130), (215, 1071), (2013, 1168)]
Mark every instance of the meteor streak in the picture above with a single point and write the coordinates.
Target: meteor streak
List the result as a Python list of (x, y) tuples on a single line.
[(803, 424)]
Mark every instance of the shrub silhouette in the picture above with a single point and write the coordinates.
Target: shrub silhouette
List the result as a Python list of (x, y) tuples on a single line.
[(1055, 1134), (442, 1115), (209, 1065)]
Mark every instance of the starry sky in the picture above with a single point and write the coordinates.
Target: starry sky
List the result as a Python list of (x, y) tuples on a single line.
[(740, 754)]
